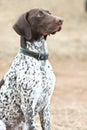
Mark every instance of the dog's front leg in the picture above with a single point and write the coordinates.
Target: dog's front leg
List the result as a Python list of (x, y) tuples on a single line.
[(28, 111), (45, 118)]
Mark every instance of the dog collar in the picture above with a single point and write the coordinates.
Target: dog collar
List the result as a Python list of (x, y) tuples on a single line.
[(33, 54)]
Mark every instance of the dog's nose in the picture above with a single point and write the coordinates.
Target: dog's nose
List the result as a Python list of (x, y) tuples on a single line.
[(59, 21)]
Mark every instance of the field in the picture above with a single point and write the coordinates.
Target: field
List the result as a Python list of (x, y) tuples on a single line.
[(68, 55)]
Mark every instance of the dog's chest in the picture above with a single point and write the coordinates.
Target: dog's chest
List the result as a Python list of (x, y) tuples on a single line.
[(35, 77), (39, 74)]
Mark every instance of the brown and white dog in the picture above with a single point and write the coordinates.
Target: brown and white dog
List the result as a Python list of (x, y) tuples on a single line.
[(27, 87)]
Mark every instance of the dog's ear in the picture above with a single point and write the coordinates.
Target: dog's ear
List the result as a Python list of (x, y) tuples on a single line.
[(22, 27)]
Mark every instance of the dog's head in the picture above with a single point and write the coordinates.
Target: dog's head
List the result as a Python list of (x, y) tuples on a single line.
[(37, 22)]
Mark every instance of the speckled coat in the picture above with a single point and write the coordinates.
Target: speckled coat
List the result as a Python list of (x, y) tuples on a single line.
[(27, 90)]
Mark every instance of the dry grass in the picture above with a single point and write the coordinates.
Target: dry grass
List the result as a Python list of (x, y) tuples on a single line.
[(68, 54)]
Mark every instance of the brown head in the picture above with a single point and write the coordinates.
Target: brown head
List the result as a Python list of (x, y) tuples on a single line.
[(36, 23)]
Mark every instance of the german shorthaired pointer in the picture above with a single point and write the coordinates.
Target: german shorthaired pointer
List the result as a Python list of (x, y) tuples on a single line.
[(27, 87)]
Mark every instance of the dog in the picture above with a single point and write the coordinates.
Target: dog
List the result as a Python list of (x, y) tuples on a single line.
[(27, 87)]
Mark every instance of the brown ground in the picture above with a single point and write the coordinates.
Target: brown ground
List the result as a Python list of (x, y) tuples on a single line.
[(68, 55)]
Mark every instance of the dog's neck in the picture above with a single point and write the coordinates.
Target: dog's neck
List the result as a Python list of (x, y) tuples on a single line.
[(38, 46)]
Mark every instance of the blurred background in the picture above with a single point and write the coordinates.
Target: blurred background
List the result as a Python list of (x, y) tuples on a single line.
[(68, 56)]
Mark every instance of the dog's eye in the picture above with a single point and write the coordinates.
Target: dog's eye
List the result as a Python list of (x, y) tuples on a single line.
[(40, 14)]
